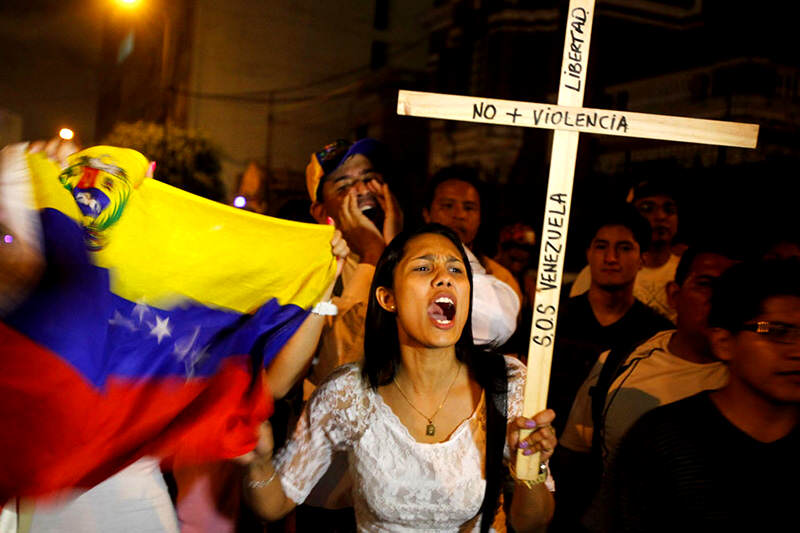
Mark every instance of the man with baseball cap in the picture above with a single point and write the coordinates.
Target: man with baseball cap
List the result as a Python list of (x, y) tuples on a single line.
[(346, 184)]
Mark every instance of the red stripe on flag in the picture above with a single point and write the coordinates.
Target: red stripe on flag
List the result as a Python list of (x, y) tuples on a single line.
[(59, 431)]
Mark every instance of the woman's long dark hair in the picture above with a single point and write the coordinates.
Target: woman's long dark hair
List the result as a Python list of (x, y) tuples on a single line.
[(382, 357), (381, 341)]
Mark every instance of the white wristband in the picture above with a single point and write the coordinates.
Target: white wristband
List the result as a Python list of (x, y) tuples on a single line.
[(325, 309)]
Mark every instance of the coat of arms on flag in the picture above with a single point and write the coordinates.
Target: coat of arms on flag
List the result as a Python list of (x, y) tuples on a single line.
[(147, 331)]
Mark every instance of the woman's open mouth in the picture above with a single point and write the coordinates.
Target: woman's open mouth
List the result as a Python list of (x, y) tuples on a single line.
[(442, 310)]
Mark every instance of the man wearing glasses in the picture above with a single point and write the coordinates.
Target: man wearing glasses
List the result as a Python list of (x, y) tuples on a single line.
[(722, 460)]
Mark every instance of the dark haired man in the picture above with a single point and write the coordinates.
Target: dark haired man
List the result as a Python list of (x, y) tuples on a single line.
[(453, 199), (607, 316), (670, 366), (724, 460), (655, 200), (346, 183)]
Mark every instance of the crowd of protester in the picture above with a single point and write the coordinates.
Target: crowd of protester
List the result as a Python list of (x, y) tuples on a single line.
[(675, 382)]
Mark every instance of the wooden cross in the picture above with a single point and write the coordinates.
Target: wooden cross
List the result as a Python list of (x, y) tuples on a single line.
[(568, 119)]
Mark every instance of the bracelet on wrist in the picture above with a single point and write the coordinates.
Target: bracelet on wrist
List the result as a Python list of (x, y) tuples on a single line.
[(262, 482), (530, 483)]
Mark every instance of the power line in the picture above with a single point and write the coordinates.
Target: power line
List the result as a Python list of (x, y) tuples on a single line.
[(262, 96), (283, 103)]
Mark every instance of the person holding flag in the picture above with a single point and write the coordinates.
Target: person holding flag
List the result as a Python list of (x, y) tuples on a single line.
[(146, 329)]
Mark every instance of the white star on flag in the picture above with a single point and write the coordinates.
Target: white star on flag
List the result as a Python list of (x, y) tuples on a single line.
[(119, 320), (194, 360), (140, 309), (185, 344), (161, 329)]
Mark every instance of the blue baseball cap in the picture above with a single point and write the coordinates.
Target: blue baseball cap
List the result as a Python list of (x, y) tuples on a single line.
[(333, 155)]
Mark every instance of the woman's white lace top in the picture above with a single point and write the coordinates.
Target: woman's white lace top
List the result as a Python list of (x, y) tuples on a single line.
[(399, 484)]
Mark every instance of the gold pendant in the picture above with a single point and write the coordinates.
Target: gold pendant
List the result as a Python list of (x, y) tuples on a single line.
[(430, 430)]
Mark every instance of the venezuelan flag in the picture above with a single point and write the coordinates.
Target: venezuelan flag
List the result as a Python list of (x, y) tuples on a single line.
[(147, 331)]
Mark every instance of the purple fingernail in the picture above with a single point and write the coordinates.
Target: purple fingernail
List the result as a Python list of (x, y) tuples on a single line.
[(523, 444), (527, 452), (530, 424)]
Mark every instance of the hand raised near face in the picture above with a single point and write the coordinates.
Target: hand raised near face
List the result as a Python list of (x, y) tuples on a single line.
[(393, 215), (360, 232), (339, 248)]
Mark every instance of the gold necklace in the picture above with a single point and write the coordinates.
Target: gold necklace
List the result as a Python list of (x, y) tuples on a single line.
[(430, 429)]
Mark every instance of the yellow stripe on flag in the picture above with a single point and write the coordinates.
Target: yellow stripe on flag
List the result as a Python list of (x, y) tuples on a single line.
[(169, 242), (167, 245)]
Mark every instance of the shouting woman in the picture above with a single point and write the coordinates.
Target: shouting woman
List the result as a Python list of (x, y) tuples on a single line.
[(427, 419)]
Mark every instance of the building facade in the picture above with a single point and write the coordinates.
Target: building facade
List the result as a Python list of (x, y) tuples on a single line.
[(694, 58), (270, 82)]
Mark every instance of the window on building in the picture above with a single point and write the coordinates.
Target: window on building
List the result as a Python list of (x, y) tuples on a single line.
[(381, 14), (699, 86), (378, 55), (622, 100), (437, 41)]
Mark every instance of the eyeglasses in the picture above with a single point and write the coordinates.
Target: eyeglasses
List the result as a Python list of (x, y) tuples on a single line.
[(775, 331)]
